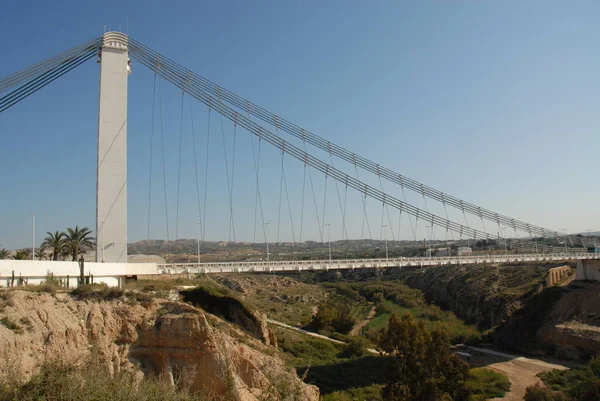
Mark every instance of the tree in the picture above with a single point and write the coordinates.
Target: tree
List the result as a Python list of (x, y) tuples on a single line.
[(333, 315), (420, 364), (41, 254), (4, 253), (55, 241), (22, 254), (78, 241)]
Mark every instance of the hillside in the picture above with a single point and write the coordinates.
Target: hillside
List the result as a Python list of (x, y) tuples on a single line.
[(155, 338)]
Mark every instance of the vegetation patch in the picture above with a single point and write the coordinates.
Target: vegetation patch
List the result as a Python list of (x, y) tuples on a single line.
[(91, 381), (578, 384), (97, 292), (485, 384), (11, 325)]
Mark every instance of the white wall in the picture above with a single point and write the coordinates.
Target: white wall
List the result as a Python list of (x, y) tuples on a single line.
[(36, 270)]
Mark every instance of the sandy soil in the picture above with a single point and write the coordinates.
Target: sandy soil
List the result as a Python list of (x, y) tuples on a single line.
[(358, 327), (520, 371)]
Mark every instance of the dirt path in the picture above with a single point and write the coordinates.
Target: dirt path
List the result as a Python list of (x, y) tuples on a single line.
[(358, 327), (520, 371), (298, 329)]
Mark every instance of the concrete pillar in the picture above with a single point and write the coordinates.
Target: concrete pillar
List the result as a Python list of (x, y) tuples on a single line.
[(111, 195), (588, 269)]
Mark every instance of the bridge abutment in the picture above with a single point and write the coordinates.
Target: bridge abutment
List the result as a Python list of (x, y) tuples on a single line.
[(111, 197), (588, 270)]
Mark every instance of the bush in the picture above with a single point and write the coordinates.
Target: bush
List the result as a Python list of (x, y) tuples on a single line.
[(97, 292), (537, 393), (355, 348), (484, 384), (334, 315), (90, 381)]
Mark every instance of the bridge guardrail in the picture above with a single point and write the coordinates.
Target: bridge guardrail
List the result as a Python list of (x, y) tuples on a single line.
[(264, 266)]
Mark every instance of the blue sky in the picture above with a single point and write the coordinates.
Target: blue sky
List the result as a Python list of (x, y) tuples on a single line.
[(493, 102)]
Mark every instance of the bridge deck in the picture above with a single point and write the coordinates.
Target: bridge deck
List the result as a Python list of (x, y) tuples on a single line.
[(342, 264)]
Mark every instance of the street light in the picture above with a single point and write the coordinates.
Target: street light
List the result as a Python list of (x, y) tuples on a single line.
[(198, 237), (329, 240), (386, 247), (429, 239), (102, 242), (503, 229), (32, 236), (564, 230), (267, 239)]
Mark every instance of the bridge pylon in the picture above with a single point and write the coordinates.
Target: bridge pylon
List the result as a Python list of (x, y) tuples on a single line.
[(111, 195)]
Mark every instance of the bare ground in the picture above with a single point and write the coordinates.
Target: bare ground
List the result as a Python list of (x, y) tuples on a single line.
[(522, 372), (359, 326)]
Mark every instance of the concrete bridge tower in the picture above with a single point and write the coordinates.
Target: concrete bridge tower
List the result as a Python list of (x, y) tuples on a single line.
[(111, 195)]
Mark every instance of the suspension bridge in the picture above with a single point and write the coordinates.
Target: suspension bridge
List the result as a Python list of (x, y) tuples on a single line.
[(405, 206)]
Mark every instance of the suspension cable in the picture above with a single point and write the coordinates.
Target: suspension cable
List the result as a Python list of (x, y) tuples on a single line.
[(261, 132), (48, 64), (324, 204), (41, 81), (227, 174), (200, 218), (140, 51), (150, 168), (342, 210), (179, 169), (231, 219), (302, 205), (206, 176), (164, 168)]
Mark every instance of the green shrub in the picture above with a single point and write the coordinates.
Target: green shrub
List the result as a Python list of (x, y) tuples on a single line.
[(485, 383), (97, 292), (90, 381), (334, 315), (355, 348), (537, 393)]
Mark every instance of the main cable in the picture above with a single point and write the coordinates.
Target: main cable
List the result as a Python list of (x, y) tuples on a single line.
[(176, 78), (209, 87)]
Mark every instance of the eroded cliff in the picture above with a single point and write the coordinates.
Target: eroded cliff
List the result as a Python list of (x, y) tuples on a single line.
[(167, 339)]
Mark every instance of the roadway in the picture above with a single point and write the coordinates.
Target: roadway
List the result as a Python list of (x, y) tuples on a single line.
[(349, 264)]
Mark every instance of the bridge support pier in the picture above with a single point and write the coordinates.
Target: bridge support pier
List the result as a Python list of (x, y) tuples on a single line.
[(588, 270), (111, 194)]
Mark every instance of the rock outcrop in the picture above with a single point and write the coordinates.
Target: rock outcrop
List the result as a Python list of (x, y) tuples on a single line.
[(484, 295), (168, 339)]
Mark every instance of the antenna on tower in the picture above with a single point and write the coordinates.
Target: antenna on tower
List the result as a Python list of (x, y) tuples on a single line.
[(127, 24)]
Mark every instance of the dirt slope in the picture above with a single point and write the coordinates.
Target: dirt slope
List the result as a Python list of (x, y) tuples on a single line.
[(166, 339)]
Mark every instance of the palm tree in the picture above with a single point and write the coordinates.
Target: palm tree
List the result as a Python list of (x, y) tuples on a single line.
[(22, 254), (4, 253), (41, 254), (55, 241), (78, 241)]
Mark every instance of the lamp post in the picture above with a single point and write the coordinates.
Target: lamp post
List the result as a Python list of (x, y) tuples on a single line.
[(32, 236), (386, 247), (329, 240), (564, 230), (503, 229), (429, 239), (102, 241), (267, 239), (198, 237)]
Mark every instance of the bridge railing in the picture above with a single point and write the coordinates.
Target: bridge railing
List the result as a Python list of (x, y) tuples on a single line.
[(299, 265)]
